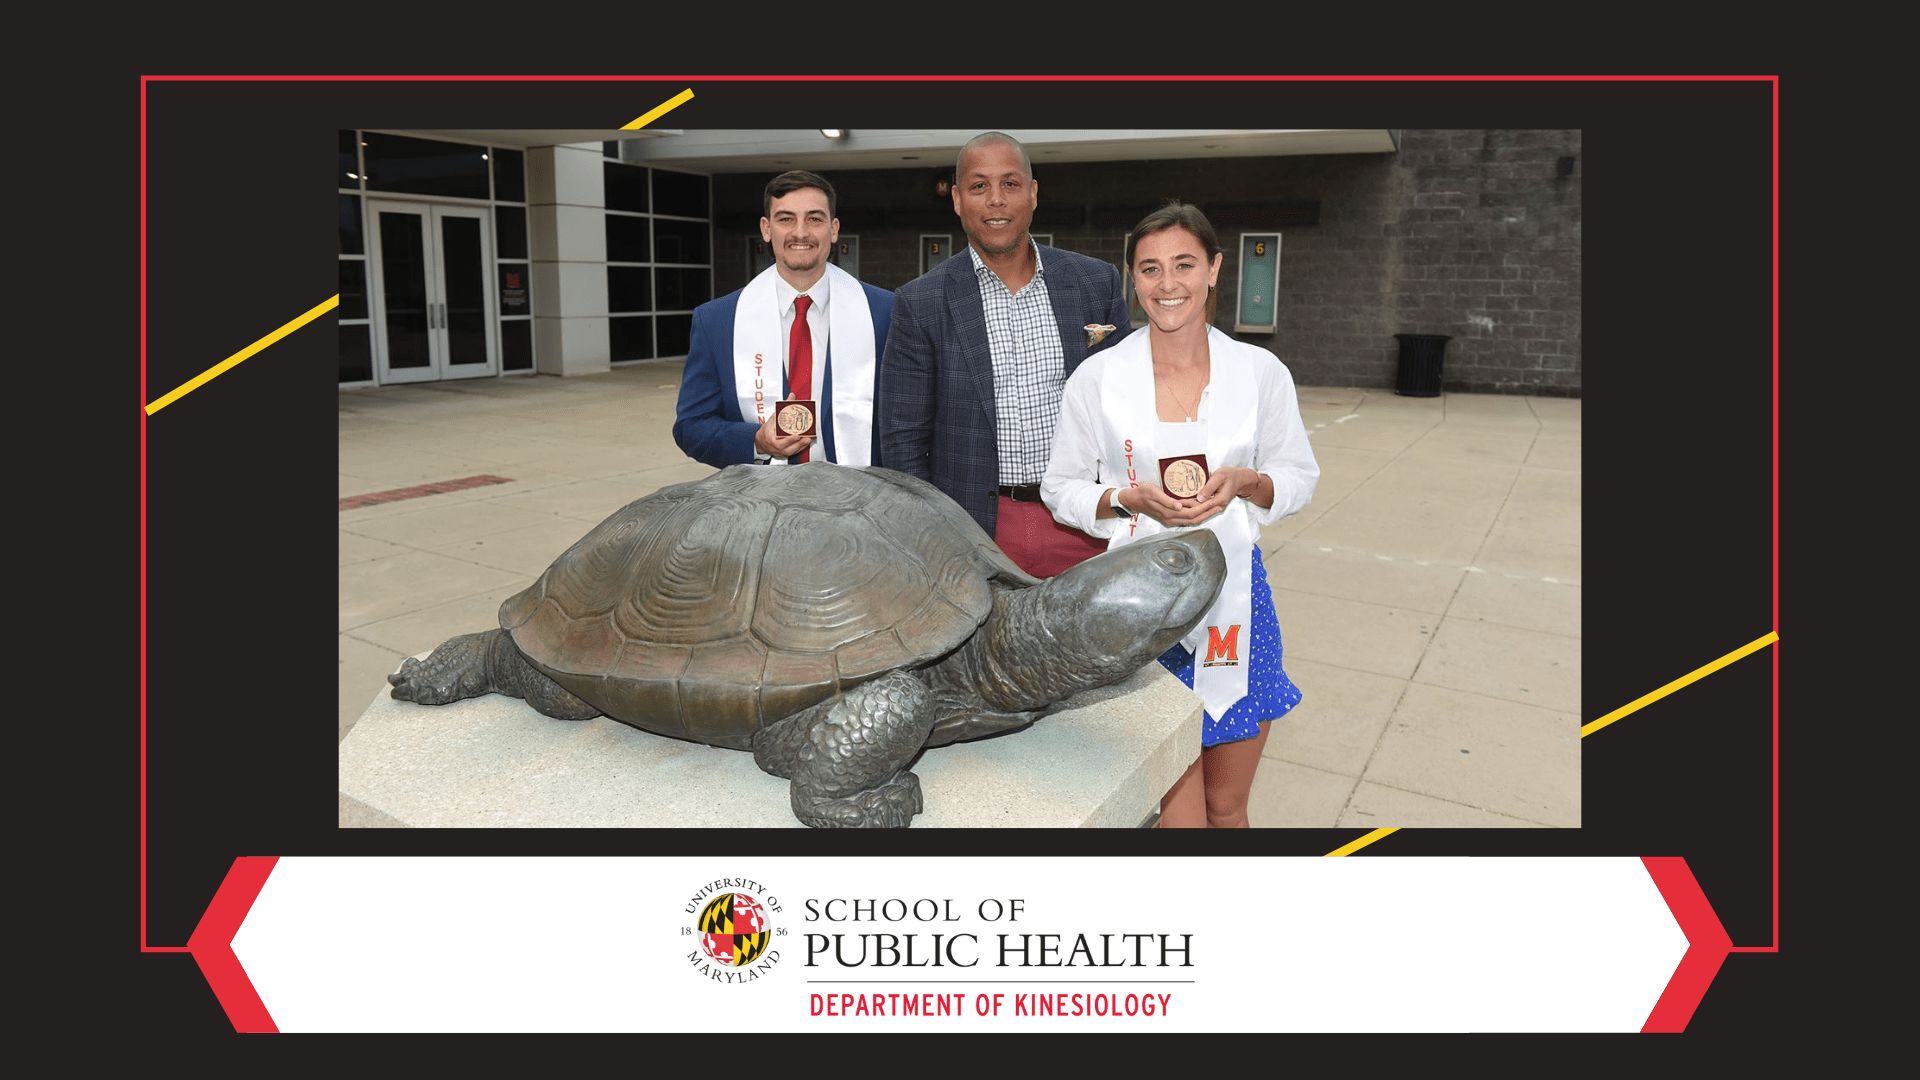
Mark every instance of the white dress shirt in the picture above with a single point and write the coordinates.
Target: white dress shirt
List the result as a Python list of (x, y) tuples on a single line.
[(816, 324)]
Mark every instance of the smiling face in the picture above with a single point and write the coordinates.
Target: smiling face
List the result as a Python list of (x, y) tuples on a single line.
[(1172, 277), (995, 197), (801, 231)]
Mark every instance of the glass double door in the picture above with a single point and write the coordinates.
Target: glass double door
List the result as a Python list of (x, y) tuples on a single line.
[(433, 313)]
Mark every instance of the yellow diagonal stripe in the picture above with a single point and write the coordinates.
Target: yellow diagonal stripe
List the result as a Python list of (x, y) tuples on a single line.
[(1362, 842), (1638, 703), (665, 107), (1676, 684), (193, 384)]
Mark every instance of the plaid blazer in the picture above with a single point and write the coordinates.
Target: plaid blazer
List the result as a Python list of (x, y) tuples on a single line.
[(934, 411)]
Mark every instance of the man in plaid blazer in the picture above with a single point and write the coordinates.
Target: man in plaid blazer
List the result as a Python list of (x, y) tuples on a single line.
[(980, 348)]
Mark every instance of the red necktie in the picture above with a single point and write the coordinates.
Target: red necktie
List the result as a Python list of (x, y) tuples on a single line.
[(800, 360)]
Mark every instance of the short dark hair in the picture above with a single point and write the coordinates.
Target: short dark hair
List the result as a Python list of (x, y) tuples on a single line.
[(984, 138), (794, 180), (1179, 215)]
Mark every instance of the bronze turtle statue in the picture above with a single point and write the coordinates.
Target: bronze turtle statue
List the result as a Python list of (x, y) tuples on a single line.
[(833, 620)]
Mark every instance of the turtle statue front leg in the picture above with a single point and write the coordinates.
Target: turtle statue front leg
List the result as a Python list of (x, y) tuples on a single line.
[(847, 757)]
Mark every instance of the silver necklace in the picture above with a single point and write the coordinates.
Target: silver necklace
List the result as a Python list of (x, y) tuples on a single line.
[(1176, 399)]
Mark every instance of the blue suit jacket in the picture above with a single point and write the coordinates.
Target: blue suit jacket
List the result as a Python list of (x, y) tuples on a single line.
[(708, 425), (935, 414)]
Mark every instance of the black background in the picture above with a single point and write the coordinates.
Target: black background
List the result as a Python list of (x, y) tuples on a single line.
[(1678, 345)]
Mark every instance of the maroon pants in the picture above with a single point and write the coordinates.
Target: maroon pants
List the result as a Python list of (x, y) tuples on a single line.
[(1038, 544)]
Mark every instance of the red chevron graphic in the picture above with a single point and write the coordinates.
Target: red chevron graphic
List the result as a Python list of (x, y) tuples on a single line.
[(1707, 944), (212, 943)]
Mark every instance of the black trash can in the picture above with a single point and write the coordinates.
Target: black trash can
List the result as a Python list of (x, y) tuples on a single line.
[(1420, 358)]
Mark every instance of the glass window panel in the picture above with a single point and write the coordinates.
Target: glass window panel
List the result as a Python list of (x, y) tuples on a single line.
[(349, 159), (466, 284), (516, 345), (630, 337), (425, 167), (679, 193), (629, 288), (681, 289), (353, 288), (680, 242), (510, 231), (610, 148), (626, 187), (515, 299), (509, 175), (627, 239), (675, 332), (351, 242), (356, 354), (403, 269)]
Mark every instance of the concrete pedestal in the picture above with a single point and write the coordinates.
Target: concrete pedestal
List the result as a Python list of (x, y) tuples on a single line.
[(1103, 762)]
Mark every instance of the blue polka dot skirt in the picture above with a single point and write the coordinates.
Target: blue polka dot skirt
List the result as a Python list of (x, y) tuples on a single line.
[(1270, 694)]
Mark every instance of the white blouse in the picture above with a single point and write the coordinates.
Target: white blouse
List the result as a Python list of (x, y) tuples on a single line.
[(1089, 455)]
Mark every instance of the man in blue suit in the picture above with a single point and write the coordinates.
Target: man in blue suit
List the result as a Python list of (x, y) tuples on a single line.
[(740, 361), (980, 349)]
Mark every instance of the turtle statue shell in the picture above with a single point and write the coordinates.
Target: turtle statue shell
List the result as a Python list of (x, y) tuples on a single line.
[(711, 609)]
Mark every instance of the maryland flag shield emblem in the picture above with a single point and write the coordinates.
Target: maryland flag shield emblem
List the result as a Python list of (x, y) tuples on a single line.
[(733, 929)]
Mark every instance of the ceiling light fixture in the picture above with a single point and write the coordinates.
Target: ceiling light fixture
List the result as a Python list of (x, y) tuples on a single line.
[(834, 133)]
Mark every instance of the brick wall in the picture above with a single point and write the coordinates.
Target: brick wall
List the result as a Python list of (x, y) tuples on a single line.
[(1474, 234), (1488, 245)]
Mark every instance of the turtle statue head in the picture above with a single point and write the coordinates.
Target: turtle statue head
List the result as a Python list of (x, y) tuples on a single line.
[(1121, 609)]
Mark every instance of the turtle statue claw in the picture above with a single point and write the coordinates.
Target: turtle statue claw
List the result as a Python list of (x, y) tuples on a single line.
[(834, 621)]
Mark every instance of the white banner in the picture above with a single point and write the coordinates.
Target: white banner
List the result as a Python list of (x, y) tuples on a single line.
[(951, 945)]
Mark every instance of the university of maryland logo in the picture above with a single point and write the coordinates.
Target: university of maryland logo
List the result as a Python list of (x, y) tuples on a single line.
[(732, 923), (1223, 650), (733, 929)]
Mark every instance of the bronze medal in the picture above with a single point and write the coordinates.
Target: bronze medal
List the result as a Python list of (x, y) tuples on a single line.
[(795, 417), (1183, 477)]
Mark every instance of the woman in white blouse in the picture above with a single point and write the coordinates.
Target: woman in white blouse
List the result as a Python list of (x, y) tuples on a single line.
[(1140, 424)]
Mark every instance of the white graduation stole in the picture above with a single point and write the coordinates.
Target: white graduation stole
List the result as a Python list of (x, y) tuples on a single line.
[(847, 365), (1136, 439)]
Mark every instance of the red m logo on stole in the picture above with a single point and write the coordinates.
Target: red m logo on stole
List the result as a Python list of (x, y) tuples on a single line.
[(1223, 649)]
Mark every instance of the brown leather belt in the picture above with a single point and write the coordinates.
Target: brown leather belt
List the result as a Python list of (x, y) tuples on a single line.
[(1020, 492)]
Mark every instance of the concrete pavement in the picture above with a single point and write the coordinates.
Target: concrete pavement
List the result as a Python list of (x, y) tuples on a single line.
[(1429, 597)]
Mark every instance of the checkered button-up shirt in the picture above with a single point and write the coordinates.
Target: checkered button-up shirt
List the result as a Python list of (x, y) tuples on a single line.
[(1029, 369)]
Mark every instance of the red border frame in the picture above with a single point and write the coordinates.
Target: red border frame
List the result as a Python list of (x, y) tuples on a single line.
[(1774, 947)]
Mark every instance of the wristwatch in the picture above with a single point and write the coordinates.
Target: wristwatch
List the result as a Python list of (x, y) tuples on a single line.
[(1113, 500)]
